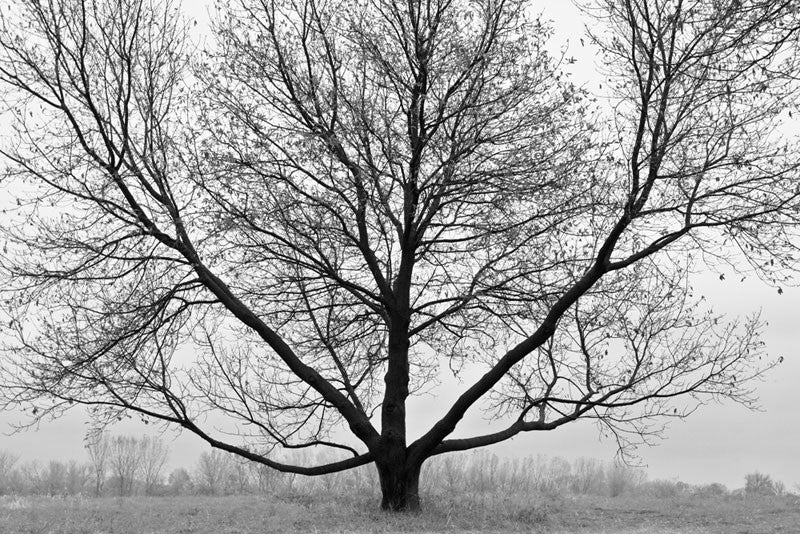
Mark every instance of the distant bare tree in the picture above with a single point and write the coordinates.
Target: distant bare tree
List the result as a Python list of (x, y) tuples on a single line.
[(76, 477), (265, 478), (588, 476), (53, 478), (97, 445), (213, 470), (240, 478), (7, 463), (32, 477), (154, 453), (124, 460), (343, 199), (180, 481)]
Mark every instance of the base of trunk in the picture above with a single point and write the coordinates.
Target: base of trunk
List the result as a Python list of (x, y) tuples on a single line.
[(399, 488)]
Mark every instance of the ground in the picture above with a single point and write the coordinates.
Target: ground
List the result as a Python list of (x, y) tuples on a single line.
[(298, 513)]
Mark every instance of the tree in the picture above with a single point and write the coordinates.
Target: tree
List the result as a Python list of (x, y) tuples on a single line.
[(154, 454), (214, 471), (761, 484), (179, 481), (125, 459), (305, 224), (7, 463), (76, 478), (97, 446)]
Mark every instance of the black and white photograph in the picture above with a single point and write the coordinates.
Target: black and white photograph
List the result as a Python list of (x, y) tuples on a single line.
[(413, 266)]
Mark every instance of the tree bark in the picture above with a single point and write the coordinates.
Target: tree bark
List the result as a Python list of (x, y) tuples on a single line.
[(399, 486), (399, 478)]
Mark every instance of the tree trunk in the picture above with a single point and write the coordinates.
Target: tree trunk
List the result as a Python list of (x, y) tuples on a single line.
[(399, 478), (399, 487)]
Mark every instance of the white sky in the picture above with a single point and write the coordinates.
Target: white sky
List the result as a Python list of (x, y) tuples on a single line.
[(719, 443)]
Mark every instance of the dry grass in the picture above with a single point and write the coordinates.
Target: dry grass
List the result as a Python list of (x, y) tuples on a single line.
[(462, 513)]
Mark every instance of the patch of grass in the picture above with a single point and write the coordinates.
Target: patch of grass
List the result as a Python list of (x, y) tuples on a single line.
[(682, 514), (463, 512)]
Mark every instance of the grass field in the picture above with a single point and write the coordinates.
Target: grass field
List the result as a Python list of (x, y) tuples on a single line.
[(300, 513)]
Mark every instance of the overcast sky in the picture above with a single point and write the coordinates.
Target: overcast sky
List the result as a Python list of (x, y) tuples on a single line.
[(718, 443)]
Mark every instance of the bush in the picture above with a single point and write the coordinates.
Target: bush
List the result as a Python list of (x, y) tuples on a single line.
[(663, 489), (712, 490), (623, 478), (761, 484)]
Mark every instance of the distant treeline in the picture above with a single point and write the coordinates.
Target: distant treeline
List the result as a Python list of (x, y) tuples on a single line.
[(129, 465)]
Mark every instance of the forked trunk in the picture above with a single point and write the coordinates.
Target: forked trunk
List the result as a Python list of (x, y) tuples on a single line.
[(399, 487)]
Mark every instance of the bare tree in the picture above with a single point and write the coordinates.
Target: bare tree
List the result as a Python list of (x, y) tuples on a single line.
[(588, 476), (7, 463), (213, 471), (53, 478), (154, 455), (124, 459), (180, 481), (241, 481), (76, 478), (31, 478), (340, 200), (97, 446)]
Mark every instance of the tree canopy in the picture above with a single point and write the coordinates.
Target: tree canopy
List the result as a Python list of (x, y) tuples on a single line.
[(309, 220)]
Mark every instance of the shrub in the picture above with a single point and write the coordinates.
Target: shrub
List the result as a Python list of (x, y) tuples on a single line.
[(663, 489), (712, 490), (623, 478), (761, 484)]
